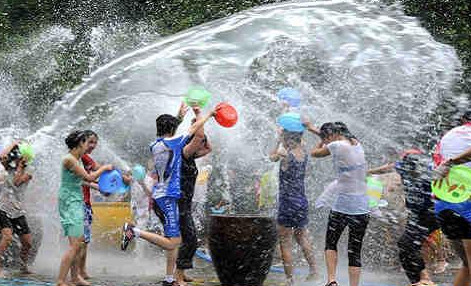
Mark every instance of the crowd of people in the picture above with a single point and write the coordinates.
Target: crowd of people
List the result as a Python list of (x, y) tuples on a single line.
[(172, 176)]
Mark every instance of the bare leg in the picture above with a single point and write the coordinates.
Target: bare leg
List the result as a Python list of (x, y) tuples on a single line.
[(286, 235), (26, 242), (463, 277), (167, 243), (354, 275), (76, 278), (302, 238), (180, 276), (7, 237), (331, 263), (68, 258), (82, 263), (424, 276), (171, 262)]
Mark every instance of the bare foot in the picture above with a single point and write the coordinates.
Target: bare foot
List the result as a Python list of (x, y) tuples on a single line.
[(313, 277), (80, 282), (189, 278), (426, 283), (441, 267), (25, 271), (62, 284), (85, 275), (180, 277)]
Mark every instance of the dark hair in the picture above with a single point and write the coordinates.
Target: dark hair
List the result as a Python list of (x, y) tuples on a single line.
[(74, 139), (12, 157), (90, 133), (166, 124), (342, 129), (326, 130), (466, 117), (339, 128), (415, 163), (292, 137)]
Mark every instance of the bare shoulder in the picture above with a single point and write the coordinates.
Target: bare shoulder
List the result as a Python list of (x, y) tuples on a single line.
[(69, 161)]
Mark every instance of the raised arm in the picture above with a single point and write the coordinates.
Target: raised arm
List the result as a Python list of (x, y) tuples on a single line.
[(275, 154), (197, 141), (21, 176), (182, 112), (10, 147), (199, 123), (320, 150), (311, 128)]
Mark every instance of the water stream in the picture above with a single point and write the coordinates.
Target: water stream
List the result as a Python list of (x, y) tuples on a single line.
[(367, 65)]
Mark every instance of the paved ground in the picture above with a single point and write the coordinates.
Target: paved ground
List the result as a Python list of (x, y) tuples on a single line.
[(204, 271)]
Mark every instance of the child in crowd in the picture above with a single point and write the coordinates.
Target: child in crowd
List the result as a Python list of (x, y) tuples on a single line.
[(141, 195), (141, 201), (267, 191), (14, 179), (167, 155), (199, 201), (71, 204), (293, 206)]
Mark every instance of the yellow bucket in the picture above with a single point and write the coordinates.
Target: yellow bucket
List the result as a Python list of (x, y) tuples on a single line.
[(108, 219)]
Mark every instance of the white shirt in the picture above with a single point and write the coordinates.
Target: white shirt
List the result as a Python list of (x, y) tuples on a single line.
[(140, 201), (455, 142), (350, 185), (11, 196), (3, 174), (201, 186)]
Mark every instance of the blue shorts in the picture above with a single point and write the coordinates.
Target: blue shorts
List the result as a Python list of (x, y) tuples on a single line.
[(454, 219), (87, 222), (293, 217), (166, 209)]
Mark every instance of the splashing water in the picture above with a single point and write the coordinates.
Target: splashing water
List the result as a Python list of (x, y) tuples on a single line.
[(369, 66)]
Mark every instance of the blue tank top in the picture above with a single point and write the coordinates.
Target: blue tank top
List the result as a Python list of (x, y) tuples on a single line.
[(291, 181)]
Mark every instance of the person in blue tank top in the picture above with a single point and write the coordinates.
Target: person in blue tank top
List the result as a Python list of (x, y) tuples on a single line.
[(293, 206), (167, 159)]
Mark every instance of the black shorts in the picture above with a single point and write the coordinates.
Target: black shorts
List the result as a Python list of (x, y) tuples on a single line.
[(453, 225), (19, 225)]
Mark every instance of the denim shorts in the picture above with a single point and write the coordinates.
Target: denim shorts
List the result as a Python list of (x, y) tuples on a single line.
[(87, 222)]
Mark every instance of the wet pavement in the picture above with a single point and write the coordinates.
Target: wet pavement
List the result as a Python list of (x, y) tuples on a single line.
[(203, 271)]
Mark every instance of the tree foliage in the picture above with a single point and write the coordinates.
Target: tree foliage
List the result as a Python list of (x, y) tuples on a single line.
[(449, 21)]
